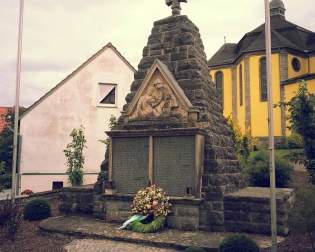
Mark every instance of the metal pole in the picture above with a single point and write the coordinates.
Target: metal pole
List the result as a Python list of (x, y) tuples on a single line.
[(271, 131), (17, 105)]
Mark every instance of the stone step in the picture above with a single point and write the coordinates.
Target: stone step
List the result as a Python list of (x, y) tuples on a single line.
[(86, 227)]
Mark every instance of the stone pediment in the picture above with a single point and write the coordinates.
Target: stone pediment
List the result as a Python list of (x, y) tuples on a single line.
[(159, 96)]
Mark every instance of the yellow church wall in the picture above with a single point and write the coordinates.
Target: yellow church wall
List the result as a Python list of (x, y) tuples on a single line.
[(290, 91), (259, 109), (304, 66), (227, 89), (312, 64)]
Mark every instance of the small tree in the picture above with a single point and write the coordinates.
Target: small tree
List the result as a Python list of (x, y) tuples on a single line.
[(6, 139), (302, 215), (111, 124), (241, 142), (302, 119), (75, 157)]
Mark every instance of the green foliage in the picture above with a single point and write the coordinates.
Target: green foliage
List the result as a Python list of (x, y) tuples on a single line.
[(194, 249), (5, 181), (10, 217), (154, 226), (2, 167), (6, 149), (236, 134), (294, 141), (242, 143), (75, 157), (302, 119), (6, 141), (36, 209), (302, 215), (257, 170), (111, 124), (238, 243)]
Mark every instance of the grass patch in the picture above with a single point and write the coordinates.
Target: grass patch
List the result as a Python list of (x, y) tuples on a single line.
[(281, 153)]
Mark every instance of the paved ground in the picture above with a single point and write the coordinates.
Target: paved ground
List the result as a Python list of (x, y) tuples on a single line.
[(4, 194), (109, 246), (90, 228)]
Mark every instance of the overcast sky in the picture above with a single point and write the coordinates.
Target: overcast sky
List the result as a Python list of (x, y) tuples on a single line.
[(59, 35)]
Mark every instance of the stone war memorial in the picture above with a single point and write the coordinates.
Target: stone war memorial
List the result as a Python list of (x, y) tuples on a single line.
[(172, 133)]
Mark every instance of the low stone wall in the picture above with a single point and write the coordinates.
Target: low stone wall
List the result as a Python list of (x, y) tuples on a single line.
[(264, 141), (185, 213), (248, 210), (76, 200), (51, 196)]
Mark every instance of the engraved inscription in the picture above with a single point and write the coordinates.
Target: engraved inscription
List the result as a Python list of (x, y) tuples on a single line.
[(130, 158)]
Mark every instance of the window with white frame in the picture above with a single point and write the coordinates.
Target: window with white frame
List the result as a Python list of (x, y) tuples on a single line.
[(107, 94)]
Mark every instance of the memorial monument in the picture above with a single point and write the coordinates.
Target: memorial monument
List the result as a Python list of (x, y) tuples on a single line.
[(172, 132)]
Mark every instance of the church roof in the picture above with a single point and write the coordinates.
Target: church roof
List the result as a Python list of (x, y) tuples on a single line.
[(284, 35)]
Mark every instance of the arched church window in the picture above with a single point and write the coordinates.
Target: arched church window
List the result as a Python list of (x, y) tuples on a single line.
[(241, 84), (263, 79), (220, 85)]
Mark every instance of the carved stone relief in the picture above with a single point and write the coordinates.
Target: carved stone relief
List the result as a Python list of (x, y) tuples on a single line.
[(158, 100)]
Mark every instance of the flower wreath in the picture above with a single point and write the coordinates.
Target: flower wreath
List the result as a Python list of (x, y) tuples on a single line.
[(149, 210)]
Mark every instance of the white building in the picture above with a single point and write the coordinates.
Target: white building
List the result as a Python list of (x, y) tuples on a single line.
[(88, 97)]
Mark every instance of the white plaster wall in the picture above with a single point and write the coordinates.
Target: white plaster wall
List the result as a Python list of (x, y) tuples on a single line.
[(42, 183), (45, 129)]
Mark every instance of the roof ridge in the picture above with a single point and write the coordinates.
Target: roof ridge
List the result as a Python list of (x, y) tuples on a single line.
[(284, 38)]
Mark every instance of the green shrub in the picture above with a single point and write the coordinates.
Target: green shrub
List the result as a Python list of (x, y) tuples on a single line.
[(294, 141), (5, 181), (194, 249), (302, 215), (301, 111), (10, 217), (36, 209), (257, 170), (238, 243)]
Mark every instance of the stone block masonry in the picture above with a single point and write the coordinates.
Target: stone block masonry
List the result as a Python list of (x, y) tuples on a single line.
[(76, 200), (177, 43), (248, 210)]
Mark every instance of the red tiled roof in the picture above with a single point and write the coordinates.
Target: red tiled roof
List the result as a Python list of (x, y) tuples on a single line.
[(3, 111)]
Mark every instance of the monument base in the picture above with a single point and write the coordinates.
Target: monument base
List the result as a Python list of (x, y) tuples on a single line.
[(247, 210), (187, 213)]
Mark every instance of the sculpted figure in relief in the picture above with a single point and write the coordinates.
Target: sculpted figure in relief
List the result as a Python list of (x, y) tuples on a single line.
[(157, 101)]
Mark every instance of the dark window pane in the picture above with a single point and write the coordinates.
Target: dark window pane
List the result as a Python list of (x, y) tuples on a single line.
[(220, 86), (110, 97), (241, 85), (263, 79), (57, 185)]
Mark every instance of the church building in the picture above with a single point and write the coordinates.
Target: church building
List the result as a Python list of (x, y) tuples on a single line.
[(239, 73)]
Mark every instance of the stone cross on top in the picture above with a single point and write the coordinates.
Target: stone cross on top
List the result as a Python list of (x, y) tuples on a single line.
[(175, 6)]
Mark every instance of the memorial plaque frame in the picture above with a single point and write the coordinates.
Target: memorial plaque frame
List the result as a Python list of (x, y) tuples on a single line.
[(197, 165)]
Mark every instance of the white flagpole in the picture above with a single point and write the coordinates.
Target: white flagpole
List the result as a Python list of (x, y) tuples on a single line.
[(273, 208), (17, 105)]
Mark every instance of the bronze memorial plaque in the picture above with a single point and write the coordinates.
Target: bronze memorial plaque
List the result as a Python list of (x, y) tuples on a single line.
[(130, 164), (174, 164)]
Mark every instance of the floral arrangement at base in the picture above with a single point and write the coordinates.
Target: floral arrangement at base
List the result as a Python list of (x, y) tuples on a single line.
[(149, 210)]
